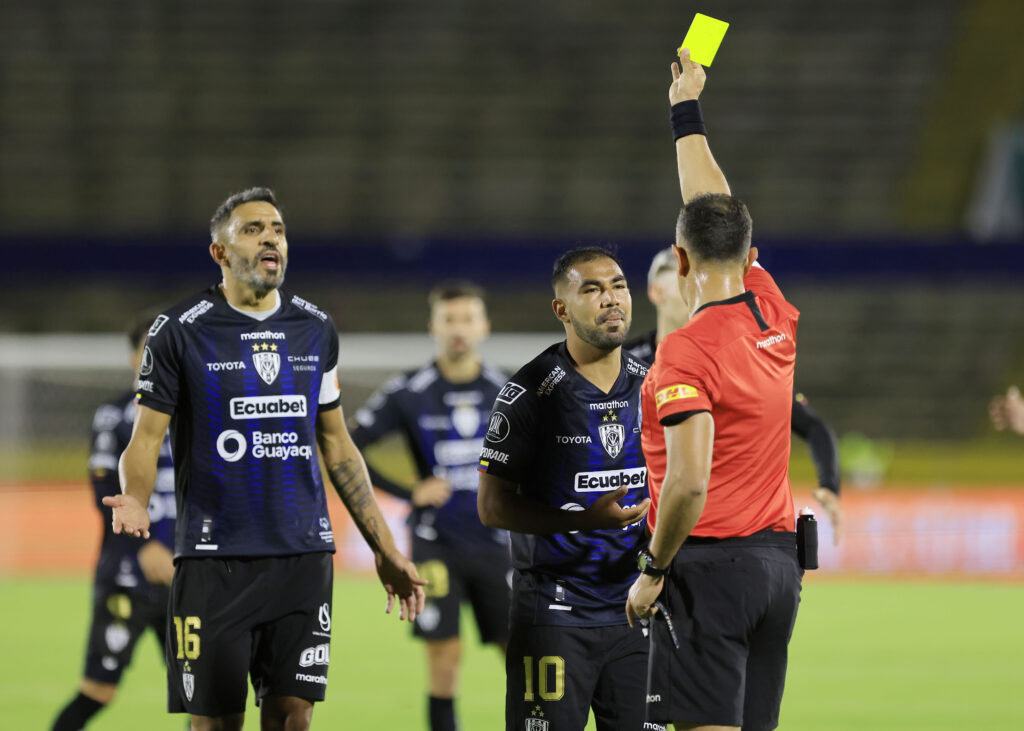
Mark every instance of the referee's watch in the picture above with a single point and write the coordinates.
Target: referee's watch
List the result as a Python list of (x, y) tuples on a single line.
[(645, 561)]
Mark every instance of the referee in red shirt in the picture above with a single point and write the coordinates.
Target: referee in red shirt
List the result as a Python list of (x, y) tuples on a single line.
[(722, 562)]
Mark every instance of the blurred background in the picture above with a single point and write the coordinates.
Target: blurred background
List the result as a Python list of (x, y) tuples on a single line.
[(879, 146)]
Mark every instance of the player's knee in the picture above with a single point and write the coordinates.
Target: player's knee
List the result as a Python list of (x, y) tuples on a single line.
[(100, 692)]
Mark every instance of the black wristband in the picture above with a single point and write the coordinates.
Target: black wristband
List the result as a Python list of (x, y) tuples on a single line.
[(687, 119)]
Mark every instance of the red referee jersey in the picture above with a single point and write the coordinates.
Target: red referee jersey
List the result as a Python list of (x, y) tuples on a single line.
[(735, 359)]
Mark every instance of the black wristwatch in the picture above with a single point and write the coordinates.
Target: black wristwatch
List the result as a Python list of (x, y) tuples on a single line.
[(645, 561)]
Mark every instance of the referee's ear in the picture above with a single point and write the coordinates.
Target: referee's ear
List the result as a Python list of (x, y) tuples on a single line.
[(751, 258), (683, 259)]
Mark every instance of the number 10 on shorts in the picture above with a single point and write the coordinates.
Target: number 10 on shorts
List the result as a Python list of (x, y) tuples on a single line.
[(185, 632), (549, 688)]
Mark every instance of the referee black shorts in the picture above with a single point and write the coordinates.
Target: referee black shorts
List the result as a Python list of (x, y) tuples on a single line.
[(720, 656), (268, 618)]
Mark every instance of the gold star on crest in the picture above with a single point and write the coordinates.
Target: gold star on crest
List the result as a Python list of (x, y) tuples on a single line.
[(255, 347), (610, 416), (537, 712), (273, 346), (264, 346)]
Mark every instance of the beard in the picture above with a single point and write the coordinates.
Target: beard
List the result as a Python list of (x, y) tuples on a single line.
[(248, 272), (602, 339)]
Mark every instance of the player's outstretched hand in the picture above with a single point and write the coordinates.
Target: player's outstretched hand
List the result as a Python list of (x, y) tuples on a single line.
[(829, 502), (642, 595), (402, 583), (431, 491), (130, 516), (605, 512), (1007, 411), (688, 79)]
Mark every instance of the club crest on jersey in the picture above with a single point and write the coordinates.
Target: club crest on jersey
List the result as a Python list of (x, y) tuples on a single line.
[(466, 420), (267, 361), (613, 434)]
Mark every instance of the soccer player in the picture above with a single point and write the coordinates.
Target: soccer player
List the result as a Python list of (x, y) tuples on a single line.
[(663, 291), (131, 580), (1007, 412), (442, 410), (247, 378), (562, 449), (722, 561)]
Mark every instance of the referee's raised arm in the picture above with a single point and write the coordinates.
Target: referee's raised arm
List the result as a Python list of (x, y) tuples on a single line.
[(698, 171)]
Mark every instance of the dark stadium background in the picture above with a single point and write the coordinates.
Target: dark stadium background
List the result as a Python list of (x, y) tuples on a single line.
[(878, 144)]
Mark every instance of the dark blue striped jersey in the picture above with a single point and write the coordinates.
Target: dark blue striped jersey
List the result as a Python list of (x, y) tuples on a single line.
[(443, 424), (565, 443), (118, 562), (243, 393)]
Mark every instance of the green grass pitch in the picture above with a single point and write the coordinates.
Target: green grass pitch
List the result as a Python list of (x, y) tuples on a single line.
[(865, 655)]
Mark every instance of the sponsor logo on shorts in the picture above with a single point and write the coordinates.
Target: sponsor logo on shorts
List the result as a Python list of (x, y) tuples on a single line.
[(226, 365), (510, 392), (656, 698), (147, 362), (267, 407), (318, 679), (674, 393), (608, 480), (195, 312), (157, 324), (498, 428), (325, 617), (117, 636), (319, 655)]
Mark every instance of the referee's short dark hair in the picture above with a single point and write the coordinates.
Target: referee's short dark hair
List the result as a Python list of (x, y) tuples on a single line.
[(579, 255), (714, 227), (223, 212), (452, 289)]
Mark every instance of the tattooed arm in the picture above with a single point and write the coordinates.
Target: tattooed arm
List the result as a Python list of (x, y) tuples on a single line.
[(348, 474)]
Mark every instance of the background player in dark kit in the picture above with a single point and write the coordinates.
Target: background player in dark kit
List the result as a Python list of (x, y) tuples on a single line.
[(562, 449), (663, 291), (442, 410), (247, 378), (131, 580), (716, 435)]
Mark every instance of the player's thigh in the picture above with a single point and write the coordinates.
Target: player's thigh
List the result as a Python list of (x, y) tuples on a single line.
[(115, 628), (620, 697), (291, 650), (769, 644), (209, 641), (713, 598), (551, 673), (488, 577), (445, 590)]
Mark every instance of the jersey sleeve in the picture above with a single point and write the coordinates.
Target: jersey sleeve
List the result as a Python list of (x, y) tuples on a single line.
[(160, 373), (106, 445), (508, 450), (680, 380), (380, 415), (821, 440), (330, 389)]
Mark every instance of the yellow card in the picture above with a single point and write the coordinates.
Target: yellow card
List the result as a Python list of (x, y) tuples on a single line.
[(704, 38)]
